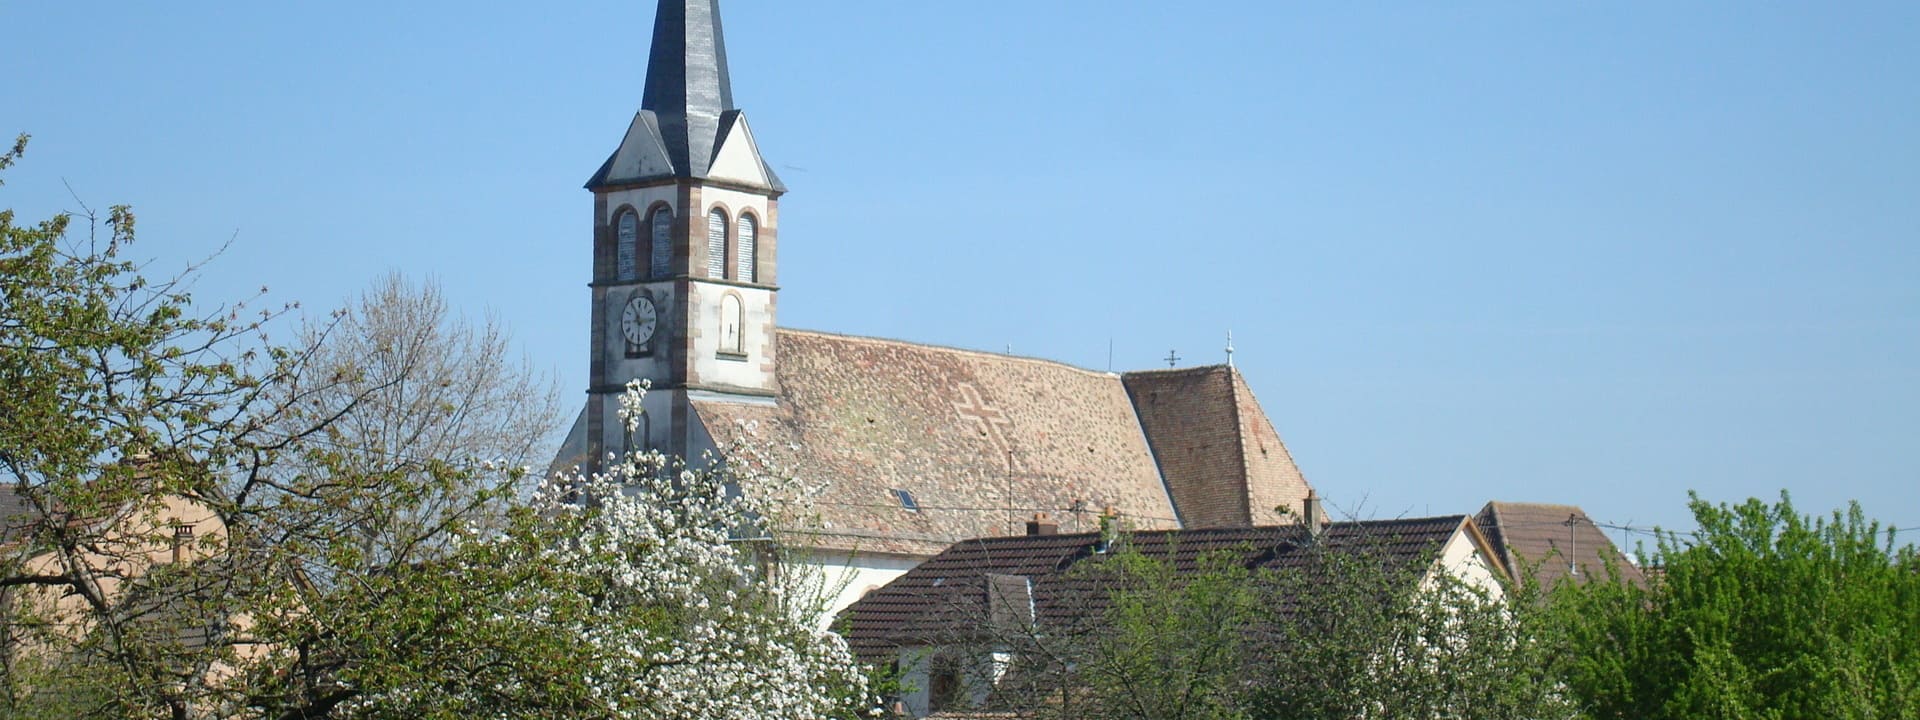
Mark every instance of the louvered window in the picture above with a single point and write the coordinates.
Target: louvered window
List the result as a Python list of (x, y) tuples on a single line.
[(717, 244), (627, 241), (747, 234), (660, 260)]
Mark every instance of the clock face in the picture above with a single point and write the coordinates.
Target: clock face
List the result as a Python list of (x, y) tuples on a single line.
[(638, 320)]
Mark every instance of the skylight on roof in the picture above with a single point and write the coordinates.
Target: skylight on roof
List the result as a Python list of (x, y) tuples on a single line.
[(906, 500)]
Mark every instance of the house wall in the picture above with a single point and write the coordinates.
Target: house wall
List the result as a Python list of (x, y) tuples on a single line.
[(978, 674), (127, 548), (844, 577), (1463, 559)]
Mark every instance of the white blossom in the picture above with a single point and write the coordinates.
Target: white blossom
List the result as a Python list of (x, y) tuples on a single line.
[(689, 544)]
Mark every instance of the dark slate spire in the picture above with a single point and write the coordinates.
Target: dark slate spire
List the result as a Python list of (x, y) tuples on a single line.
[(686, 109), (687, 86)]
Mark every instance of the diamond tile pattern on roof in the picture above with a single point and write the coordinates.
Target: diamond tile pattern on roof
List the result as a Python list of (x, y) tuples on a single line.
[(1536, 535), (956, 428), (945, 598), (1223, 462)]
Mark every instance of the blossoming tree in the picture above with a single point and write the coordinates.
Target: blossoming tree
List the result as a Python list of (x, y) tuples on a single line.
[(644, 591)]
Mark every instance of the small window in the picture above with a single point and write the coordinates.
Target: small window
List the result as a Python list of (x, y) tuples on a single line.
[(906, 500), (746, 235), (733, 333), (627, 245), (717, 244)]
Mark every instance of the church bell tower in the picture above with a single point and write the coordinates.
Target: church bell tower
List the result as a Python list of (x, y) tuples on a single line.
[(685, 223)]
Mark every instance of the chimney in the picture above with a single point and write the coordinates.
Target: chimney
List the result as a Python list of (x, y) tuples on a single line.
[(1042, 525), (1313, 515), (1109, 529), (182, 537)]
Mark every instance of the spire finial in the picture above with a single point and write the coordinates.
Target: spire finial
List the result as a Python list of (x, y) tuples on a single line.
[(1229, 348), (1173, 360), (687, 83)]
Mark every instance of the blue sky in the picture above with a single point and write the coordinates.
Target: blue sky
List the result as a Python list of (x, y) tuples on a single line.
[(1587, 253)]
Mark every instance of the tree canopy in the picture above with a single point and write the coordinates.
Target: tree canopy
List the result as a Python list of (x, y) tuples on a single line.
[(1763, 612), (199, 523)]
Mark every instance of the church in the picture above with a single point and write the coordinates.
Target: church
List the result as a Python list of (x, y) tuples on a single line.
[(920, 446)]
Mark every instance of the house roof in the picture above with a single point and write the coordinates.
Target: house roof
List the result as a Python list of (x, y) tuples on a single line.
[(948, 596), (968, 434), (1539, 536)]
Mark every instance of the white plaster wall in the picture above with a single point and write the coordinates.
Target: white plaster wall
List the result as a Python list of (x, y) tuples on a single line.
[(657, 428), (980, 675), (711, 368), (739, 157), (845, 577), (640, 199), (1462, 558), (915, 691)]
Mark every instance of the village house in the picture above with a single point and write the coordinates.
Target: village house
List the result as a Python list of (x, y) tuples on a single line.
[(123, 555), (1553, 543), (953, 626)]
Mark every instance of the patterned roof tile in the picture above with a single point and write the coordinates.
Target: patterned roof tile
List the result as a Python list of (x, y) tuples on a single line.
[(981, 440)]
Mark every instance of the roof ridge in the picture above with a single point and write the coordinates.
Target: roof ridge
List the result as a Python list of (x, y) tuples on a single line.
[(948, 348), (1071, 537), (1191, 370), (1387, 521), (1509, 503), (1259, 409), (1240, 442)]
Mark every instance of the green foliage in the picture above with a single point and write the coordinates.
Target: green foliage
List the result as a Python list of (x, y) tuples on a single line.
[(1765, 613), (1351, 633), (1175, 646), (1360, 637), (367, 547), (117, 397)]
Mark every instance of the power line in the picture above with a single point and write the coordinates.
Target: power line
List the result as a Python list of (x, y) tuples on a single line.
[(1001, 509)]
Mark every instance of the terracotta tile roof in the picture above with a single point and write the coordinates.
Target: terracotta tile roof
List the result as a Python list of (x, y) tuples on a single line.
[(1223, 463), (946, 598), (957, 429), (1537, 535)]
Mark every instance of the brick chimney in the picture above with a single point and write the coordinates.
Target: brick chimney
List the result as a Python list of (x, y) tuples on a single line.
[(1109, 530), (1042, 525), (182, 538), (1313, 515)]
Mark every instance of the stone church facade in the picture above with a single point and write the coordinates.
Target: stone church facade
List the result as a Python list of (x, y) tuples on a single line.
[(920, 446)]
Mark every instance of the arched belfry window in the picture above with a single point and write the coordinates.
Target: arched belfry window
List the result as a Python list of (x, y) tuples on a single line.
[(627, 245), (746, 235), (660, 258), (717, 243)]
